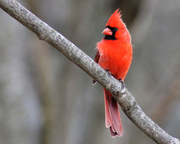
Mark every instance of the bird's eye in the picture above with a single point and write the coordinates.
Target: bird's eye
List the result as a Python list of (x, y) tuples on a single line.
[(115, 29)]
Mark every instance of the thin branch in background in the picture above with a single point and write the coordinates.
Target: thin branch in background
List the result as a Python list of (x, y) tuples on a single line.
[(123, 96)]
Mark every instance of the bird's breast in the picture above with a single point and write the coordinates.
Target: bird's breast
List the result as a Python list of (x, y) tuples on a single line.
[(115, 57)]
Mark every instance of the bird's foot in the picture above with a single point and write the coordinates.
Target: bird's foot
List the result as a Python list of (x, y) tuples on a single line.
[(109, 73), (123, 84)]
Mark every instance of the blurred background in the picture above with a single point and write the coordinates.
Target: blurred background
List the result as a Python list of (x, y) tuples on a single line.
[(46, 99)]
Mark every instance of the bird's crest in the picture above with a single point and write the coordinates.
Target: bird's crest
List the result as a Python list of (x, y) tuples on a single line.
[(115, 20)]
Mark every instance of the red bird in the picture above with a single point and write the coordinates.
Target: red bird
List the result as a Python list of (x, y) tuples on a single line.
[(114, 55)]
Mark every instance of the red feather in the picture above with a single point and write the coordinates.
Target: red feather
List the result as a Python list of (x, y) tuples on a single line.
[(115, 54)]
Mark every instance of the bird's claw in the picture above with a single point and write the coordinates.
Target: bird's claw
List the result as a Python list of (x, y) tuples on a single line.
[(109, 73), (123, 85)]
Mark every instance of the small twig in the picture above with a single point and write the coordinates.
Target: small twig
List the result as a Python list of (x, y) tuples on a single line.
[(123, 96)]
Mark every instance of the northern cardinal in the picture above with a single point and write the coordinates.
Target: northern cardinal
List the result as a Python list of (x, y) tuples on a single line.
[(114, 55)]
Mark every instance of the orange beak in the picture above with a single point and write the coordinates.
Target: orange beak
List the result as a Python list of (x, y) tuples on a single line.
[(107, 31)]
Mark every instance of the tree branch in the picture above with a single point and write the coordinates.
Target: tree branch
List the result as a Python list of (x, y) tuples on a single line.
[(123, 96)]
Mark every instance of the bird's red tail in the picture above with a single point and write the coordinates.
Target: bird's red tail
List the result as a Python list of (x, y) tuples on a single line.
[(112, 115)]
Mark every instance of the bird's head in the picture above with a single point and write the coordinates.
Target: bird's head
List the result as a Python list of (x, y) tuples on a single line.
[(115, 27)]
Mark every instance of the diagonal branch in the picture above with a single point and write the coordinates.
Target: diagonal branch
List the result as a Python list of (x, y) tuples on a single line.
[(123, 96)]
